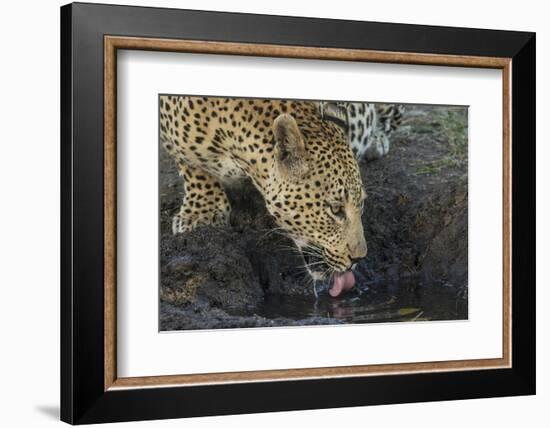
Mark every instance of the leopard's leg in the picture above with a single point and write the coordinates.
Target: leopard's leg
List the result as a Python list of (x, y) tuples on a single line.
[(204, 201), (378, 146)]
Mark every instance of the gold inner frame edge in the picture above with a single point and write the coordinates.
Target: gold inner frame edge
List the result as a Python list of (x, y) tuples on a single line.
[(113, 43)]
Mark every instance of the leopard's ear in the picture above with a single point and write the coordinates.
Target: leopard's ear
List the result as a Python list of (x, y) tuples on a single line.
[(290, 148)]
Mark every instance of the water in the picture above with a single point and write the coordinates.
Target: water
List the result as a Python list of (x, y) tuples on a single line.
[(409, 299)]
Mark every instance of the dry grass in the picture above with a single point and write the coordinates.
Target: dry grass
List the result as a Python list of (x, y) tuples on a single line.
[(449, 126)]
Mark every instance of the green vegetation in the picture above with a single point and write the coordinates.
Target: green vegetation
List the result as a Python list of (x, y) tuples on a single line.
[(449, 127)]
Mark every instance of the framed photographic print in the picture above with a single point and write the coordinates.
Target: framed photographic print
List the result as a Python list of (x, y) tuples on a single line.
[(265, 213)]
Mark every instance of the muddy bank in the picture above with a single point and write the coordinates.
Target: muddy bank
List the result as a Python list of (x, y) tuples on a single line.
[(415, 221)]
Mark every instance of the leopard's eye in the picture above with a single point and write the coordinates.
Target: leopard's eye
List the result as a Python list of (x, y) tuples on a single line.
[(337, 210)]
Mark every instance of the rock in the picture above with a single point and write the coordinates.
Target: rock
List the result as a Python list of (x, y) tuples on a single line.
[(213, 269)]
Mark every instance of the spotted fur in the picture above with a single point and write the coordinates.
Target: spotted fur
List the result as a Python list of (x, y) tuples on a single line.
[(367, 125), (302, 165)]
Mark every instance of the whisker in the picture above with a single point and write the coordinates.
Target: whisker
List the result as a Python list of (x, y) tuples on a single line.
[(275, 230), (320, 262)]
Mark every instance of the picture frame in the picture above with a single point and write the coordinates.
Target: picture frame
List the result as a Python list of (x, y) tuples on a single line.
[(91, 390)]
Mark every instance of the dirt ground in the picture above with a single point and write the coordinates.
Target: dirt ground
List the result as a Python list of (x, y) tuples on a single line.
[(416, 226)]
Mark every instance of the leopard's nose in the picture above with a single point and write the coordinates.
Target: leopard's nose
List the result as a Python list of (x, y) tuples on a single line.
[(358, 250)]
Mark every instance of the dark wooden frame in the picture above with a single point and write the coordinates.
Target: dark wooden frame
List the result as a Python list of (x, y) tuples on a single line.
[(90, 35)]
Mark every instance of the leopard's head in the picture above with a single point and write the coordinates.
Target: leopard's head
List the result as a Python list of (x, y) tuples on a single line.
[(316, 195)]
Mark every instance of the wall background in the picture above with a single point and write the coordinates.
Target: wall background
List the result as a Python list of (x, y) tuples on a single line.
[(29, 212)]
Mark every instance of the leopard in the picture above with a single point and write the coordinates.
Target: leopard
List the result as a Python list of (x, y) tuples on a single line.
[(302, 165), (369, 126)]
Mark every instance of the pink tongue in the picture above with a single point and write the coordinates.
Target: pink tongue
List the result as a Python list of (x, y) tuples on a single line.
[(342, 282)]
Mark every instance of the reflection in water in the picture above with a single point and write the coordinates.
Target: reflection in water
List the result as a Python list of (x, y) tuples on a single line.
[(405, 300)]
